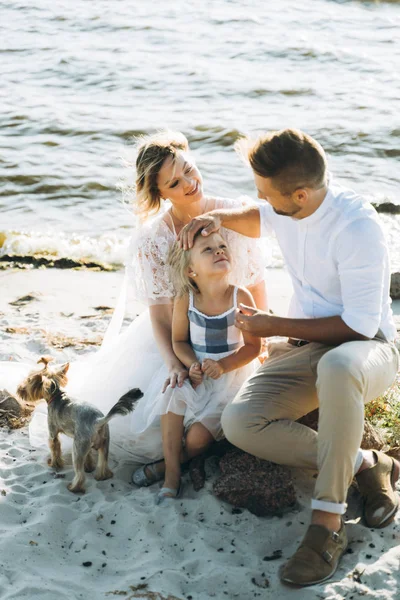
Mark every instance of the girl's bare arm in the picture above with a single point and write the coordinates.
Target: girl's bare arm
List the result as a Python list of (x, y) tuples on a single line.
[(180, 332)]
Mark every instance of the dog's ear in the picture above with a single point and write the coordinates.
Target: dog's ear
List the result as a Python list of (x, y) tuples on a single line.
[(45, 360), (63, 369)]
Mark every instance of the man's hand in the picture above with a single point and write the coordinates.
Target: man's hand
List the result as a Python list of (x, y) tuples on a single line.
[(195, 375), (176, 377), (255, 321), (212, 368), (209, 223)]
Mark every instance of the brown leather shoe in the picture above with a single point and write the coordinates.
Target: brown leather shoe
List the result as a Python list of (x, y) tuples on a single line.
[(317, 557), (377, 488)]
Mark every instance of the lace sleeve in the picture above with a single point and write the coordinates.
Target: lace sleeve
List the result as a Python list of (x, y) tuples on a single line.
[(147, 264), (250, 255)]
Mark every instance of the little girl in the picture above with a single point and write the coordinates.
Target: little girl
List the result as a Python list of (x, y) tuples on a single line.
[(207, 342)]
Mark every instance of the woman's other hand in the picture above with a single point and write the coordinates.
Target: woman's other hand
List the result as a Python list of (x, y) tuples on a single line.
[(177, 375), (212, 368)]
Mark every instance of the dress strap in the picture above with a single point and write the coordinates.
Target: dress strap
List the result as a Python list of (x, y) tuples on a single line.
[(235, 293), (191, 300)]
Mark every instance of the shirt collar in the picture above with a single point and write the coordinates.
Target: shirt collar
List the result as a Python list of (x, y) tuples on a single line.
[(321, 211)]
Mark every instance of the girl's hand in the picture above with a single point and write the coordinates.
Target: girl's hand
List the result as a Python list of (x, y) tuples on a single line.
[(195, 374), (212, 368), (177, 375)]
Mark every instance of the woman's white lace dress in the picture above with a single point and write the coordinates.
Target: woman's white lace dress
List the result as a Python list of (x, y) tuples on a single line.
[(131, 358)]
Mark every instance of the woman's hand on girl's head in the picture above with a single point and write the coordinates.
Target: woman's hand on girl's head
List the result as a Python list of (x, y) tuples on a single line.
[(195, 374), (212, 368), (176, 377)]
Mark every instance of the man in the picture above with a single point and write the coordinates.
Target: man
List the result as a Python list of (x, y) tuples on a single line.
[(339, 354)]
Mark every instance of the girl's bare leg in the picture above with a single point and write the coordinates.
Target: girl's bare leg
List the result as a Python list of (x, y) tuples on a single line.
[(172, 433), (198, 440)]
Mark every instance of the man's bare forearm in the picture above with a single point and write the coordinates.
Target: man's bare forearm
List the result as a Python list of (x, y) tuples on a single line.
[(244, 220), (328, 330)]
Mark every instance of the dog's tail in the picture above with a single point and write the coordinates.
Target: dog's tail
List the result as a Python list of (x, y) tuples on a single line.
[(123, 407)]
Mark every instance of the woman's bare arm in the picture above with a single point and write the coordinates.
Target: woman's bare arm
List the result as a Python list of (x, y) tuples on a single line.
[(161, 320)]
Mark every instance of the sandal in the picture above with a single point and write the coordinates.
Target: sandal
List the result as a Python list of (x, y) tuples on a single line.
[(140, 478), (168, 494)]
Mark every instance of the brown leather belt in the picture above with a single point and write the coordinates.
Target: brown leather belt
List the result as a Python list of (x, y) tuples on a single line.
[(297, 343)]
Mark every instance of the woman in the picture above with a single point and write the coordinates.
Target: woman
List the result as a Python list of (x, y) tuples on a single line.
[(168, 194)]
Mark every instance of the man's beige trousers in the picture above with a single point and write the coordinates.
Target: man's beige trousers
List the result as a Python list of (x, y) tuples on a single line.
[(294, 381)]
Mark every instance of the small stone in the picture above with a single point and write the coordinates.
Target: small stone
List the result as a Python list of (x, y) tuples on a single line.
[(274, 556), (88, 563)]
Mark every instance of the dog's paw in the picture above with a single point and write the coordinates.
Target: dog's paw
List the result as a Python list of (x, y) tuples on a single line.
[(103, 475), (78, 489), (89, 465), (55, 464)]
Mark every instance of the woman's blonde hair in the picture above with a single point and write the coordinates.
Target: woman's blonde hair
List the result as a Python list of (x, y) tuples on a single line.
[(178, 262), (152, 150)]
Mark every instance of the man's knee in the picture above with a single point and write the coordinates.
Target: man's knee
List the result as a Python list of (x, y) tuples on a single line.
[(233, 423), (337, 365)]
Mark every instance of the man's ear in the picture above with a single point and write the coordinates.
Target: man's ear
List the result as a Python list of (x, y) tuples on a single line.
[(300, 197)]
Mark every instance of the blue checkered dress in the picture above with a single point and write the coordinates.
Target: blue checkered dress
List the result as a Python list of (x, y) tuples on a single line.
[(214, 335)]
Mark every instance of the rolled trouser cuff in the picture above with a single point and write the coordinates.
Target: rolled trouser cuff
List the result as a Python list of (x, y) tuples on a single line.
[(331, 507)]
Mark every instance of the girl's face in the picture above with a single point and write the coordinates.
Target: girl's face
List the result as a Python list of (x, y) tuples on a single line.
[(180, 181), (209, 256)]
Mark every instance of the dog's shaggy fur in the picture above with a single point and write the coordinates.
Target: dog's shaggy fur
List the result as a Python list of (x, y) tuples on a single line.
[(82, 421)]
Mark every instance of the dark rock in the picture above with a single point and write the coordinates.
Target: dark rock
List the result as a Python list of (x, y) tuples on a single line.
[(262, 487), (10, 405), (197, 472), (372, 439), (388, 207), (394, 453), (14, 413), (395, 286)]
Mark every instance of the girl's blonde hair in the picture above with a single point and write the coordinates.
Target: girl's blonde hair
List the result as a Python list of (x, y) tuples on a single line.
[(178, 262), (152, 150)]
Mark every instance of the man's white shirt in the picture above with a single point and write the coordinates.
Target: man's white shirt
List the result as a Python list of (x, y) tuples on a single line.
[(338, 262)]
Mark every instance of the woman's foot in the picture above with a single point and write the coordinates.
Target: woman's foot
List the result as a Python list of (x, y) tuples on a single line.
[(149, 474)]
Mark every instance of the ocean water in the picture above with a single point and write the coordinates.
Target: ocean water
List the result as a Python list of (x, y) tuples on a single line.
[(80, 79)]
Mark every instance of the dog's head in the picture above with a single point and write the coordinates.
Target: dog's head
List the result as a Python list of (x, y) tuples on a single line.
[(40, 385)]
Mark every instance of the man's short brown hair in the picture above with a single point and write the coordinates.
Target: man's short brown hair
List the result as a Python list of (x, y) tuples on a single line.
[(290, 158)]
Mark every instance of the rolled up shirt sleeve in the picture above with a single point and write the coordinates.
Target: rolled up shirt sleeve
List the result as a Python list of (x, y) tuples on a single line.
[(265, 211), (361, 256)]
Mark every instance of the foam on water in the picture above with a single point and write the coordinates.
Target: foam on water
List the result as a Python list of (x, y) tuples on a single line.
[(106, 251)]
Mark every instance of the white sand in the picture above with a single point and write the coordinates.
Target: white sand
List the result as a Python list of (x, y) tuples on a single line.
[(196, 548)]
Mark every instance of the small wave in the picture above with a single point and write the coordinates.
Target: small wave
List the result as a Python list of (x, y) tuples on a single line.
[(220, 136), (59, 250)]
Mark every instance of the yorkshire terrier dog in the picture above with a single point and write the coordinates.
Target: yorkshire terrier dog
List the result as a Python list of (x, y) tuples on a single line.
[(82, 421)]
